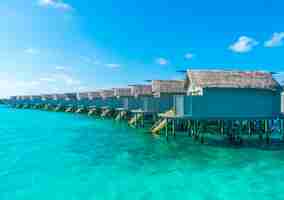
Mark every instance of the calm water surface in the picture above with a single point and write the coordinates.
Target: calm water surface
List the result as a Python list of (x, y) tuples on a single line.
[(55, 156)]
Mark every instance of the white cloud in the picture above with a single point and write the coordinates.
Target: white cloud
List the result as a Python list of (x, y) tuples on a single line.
[(275, 41), (279, 76), (10, 87), (60, 78), (60, 68), (162, 61), (47, 79), (67, 79), (27, 84), (113, 65), (189, 56), (243, 45), (58, 4), (32, 51)]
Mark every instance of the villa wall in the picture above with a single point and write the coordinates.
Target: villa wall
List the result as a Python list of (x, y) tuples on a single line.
[(157, 104), (131, 103), (112, 102), (220, 103)]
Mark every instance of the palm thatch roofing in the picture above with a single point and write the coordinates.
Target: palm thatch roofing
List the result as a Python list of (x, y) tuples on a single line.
[(93, 95), (168, 87), (122, 92), (107, 93), (141, 90), (35, 97), (230, 79), (45, 97)]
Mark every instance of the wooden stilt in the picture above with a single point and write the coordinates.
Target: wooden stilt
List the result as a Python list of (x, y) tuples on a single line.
[(249, 127), (135, 124), (222, 127), (194, 129), (281, 127), (266, 131), (189, 127), (142, 120), (173, 127), (167, 129), (201, 131), (197, 130)]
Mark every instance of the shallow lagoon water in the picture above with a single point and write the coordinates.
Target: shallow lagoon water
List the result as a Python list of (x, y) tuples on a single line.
[(46, 155)]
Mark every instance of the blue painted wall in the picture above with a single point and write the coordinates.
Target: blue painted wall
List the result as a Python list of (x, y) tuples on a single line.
[(112, 102), (233, 103), (131, 103), (157, 104)]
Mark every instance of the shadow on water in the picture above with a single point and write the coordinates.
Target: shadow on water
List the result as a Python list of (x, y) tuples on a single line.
[(110, 144)]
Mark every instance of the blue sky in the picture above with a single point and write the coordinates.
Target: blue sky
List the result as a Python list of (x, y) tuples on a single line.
[(70, 45)]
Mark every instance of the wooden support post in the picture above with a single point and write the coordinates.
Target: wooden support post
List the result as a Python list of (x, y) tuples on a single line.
[(222, 127), (167, 129), (249, 127), (194, 129), (135, 117), (189, 127), (281, 127), (266, 131), (142, 121), (240, 132), (173, 127), (201, 131), (197, 129)]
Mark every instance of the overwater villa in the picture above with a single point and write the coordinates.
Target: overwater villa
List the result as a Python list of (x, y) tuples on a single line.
[(95, 100), (110, 103), (70, 102), (35, 101), (143, 95), (23, 102), (12, 101), (48, 101), (59, 101), (83, 102), (160, 101), (235, 100), (230, 104), (131, 99)]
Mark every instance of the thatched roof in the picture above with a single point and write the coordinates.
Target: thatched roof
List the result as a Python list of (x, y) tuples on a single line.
[(122, 92), (107, 93), (93, 95), (168, 87), (141, 90), (35, 97), (230, 79), (46, 97)]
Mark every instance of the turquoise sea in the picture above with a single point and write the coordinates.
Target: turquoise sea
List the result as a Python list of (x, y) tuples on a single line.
[(56, 156)]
